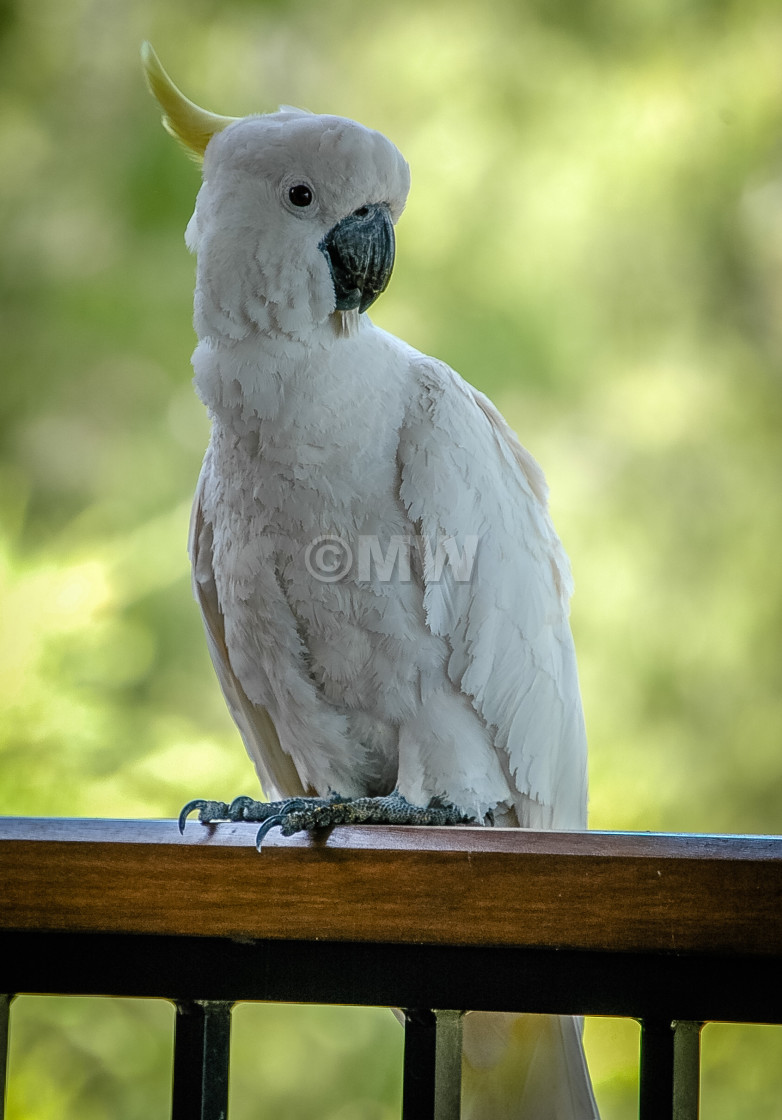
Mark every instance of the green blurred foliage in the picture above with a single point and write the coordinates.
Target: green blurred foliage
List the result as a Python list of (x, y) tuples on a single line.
[(594, 238)]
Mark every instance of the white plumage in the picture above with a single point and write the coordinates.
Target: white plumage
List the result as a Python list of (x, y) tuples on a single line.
[(323, 425)]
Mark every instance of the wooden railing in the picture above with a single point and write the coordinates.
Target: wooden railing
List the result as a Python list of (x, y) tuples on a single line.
[(672, 930)]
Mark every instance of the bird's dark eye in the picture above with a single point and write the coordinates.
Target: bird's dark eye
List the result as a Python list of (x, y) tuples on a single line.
[(300, 195)]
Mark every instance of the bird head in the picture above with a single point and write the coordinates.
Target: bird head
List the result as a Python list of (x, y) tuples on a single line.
[(295, 217)]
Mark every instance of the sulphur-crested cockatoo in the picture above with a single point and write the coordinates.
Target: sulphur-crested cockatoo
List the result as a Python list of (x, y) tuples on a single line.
[(384, 595)]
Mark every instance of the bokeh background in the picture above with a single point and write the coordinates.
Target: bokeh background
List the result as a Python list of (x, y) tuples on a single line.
[(594, 238)]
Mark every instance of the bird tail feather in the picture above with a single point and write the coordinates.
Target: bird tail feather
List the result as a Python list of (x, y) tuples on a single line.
[(525, 1067)]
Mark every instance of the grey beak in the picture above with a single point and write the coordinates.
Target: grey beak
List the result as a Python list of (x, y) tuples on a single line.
[(360, 252)]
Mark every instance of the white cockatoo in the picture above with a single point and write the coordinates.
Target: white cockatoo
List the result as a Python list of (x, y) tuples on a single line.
[(384, 596)]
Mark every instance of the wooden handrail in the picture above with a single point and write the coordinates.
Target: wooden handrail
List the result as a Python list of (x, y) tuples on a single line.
[(439, 886)]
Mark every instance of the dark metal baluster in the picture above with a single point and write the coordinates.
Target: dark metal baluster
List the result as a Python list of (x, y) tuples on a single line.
[(432, 1065), (5, 1009), (670, 1070), (201, 1060), (656, 1074), (686, 1069), (448, 1063), (419, 1064)]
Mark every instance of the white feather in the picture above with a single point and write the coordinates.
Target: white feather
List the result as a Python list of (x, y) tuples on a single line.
[(444, 684)]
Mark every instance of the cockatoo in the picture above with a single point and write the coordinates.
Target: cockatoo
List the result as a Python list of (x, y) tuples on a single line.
[(384, 595)]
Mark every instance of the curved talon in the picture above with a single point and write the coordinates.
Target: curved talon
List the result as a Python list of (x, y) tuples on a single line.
[(237, 806), (294, 804), (266, 828), (199, 804)]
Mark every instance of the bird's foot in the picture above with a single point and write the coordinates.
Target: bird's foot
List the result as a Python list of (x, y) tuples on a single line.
[(298, 814), (245, 809)]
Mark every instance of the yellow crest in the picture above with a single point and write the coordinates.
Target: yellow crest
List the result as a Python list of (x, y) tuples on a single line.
[(192, 126)]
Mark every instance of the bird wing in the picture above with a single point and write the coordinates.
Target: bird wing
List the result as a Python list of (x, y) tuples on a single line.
[(466, 479), (276, 771)]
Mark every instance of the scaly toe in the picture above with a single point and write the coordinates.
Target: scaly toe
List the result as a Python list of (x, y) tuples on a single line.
[(208, 812)]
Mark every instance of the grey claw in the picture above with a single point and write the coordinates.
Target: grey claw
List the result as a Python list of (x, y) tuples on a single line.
[(191, 806), (266, 827)]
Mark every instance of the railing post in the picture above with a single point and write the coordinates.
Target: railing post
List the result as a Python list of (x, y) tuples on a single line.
[(656, 1071), (5, 1010), (670, 1070), (432, 1065), (686, 1069), (201, 1060)]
